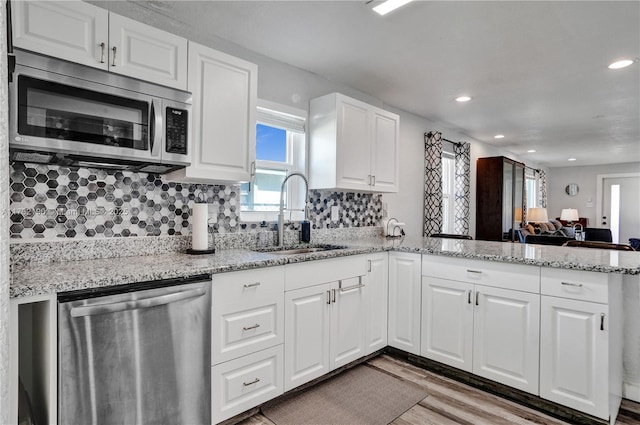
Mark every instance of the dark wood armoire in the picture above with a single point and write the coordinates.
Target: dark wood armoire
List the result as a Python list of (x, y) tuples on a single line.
[(499, 198)]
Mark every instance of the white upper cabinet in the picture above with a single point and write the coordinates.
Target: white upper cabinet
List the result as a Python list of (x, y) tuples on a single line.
[(224, 118), (74, 31), (353, 145), (147, 53), (82, 33)]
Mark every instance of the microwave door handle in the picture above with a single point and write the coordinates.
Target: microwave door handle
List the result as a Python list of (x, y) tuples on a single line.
[(156, 128), (92, 310)]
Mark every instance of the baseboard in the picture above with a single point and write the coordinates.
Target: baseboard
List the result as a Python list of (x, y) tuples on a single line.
[(631, 391)]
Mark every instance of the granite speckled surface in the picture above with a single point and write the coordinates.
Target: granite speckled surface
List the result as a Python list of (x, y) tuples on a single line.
[(35, 279)]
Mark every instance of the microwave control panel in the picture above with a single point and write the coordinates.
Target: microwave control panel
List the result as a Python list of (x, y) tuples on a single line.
[(176, 128)]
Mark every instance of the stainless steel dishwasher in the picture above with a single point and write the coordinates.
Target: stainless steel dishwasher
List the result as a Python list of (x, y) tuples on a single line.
[(136, 354)]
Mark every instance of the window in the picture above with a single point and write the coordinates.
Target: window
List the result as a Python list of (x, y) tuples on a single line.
[(531, 187), (280, 150), (448, 192)]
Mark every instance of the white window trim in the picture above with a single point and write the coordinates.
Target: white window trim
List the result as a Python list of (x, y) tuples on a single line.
[(291, 119)]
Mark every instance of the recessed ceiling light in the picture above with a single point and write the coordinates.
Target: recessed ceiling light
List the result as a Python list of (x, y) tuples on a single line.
[(620, 64), (389, 6), (571, 159), (531, 151), (463, 99), (499, 136)]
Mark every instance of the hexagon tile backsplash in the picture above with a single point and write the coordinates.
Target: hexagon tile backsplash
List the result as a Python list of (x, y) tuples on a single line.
[(49, 202)]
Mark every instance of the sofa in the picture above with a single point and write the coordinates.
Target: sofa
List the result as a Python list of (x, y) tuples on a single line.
[(546, 233)]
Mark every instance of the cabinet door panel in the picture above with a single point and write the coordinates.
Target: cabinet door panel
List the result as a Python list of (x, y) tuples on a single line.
[(574, 356), (347, 342), (376, 293), (384, 154), (79, 30), (447, 322), (404, 301), (147, 53), (354, 147), (306, 335), (506, 331), (224, 117)]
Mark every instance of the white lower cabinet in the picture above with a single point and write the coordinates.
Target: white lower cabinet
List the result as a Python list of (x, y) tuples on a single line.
[(475, 324), (404, 301), (306, 334), (245, 382), (581, 341), (247, 335), (447, 322), (506, 328), (376, 300)]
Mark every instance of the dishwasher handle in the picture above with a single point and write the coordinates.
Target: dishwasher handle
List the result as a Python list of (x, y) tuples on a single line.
[(92, 310)]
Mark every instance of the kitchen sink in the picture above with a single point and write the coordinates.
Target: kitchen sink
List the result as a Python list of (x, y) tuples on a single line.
[(300, 250)]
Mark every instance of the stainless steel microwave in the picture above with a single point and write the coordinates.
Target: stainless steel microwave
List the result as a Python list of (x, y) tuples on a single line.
[(69, 114)]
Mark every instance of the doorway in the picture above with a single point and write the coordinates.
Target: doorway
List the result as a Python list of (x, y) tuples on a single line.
[(619, 198)]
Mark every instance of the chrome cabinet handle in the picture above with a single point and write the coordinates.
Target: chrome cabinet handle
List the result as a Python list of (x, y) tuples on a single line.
[(477, 295), (334, 295), (115, 49), (369, 179), (374, 181), (474, 271), (369, 266), (469, 296), (328, 297), (601, 321), (251, 327), (579, 285), (253, 169), (255, 381), (350, 288), (251, 285), (102, 46)]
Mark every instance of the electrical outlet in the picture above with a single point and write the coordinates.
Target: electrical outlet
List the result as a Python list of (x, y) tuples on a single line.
[(335, 213)]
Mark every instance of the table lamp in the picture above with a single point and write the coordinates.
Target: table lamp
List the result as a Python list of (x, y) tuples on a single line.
[(569, 215), (537, 215)]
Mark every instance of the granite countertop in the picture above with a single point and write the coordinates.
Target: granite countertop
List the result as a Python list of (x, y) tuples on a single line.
[(48, 278)]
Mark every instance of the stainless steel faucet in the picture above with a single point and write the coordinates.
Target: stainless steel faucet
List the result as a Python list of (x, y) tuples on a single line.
[(281, 213)]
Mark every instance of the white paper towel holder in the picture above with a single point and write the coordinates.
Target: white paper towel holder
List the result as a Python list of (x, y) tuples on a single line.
[(201, 200)]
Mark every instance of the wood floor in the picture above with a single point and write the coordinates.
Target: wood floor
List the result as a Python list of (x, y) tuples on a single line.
[(451, 402)]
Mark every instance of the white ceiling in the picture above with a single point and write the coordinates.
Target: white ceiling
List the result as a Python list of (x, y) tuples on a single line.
[(537, 71)]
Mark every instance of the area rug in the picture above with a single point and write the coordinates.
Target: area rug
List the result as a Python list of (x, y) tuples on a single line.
[(359, 396)]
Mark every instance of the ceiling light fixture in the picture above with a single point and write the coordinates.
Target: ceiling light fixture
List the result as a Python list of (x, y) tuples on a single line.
[(571, 159), (463, 99), (389, 6), (499, 136), (531, 151), (620, 64)]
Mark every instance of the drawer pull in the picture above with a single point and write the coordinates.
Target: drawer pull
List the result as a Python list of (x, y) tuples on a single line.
[(251, 327), (369, 266), (474, 271), (328, 297), (251, 285), (579, 285), (115, 49), (601, 321), (469, 296), (477, 295), (255, 381), (334, 295)]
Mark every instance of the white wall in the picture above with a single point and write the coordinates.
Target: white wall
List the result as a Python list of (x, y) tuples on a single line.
[(585, 177)]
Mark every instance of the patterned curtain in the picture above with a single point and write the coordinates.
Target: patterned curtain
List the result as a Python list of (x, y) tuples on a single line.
[(462, 152), (432, 183), (542, 188)]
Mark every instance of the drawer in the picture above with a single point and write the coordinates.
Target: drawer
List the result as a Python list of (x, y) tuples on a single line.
[(490, 273), (237, 330), (576, 284), (252, 287), (246, 382), (310, 273)]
